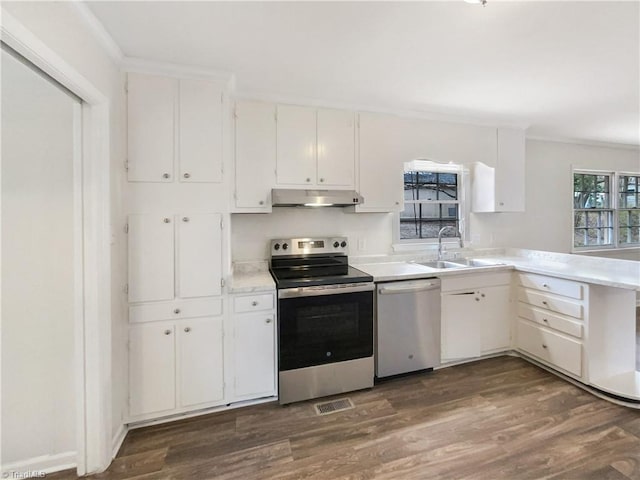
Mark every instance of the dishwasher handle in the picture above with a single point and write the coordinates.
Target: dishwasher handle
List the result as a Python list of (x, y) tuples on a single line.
[(400, 287)]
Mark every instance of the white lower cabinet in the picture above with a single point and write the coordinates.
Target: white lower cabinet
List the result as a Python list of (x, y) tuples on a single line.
[(254, 346), (476, 315), (175, 365)]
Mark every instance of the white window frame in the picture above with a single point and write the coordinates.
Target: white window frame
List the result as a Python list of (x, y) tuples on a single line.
[(614, 180), (462, 202)]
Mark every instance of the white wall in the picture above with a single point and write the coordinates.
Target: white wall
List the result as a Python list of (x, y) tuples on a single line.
[(547, 222), (38, 299), (60, 27)]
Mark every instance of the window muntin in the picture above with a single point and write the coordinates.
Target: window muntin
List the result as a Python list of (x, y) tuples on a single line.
[(431, 201), (606, 209)]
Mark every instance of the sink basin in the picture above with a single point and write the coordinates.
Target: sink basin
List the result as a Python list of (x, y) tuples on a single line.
[(443, 264), (476, 262)]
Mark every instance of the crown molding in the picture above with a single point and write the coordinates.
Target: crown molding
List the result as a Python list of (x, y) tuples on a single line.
[(153, 67), (583, 142), (100, 33)]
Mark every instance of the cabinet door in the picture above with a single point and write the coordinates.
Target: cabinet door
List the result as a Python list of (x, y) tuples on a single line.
[(496, 319), (200, 362), (510, 182), (151, 368), (336, 148), (461, 328), (255, 367), (296, 145), (381, 169), (151, 258), (200, 131), (150, 127), (255, 154), (199, 255)]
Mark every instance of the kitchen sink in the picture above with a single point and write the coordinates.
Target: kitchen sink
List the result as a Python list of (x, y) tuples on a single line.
[(442, 264), (476, 262)]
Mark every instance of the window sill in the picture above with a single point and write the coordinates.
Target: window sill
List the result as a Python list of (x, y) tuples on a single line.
[(605, 249), (427, 245)]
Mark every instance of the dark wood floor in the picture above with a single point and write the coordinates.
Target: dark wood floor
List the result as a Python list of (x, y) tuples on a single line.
[(501, 418)]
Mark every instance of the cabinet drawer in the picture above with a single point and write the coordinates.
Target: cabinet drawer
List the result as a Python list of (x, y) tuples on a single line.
[(550, 302), (556, 349), (150, 312), (253, 303), (558, 286), (474, 280), (549, 319)]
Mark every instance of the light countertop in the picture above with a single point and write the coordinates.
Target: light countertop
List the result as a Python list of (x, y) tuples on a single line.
[(251, 277)]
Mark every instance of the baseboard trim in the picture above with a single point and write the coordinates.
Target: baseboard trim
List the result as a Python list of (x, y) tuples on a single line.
[(118, 439), (42, 464)]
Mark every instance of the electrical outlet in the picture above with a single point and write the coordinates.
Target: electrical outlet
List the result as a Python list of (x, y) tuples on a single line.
[(362, 244)]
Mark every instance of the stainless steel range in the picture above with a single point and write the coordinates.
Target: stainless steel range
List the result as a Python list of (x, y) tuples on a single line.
[(325, 319)]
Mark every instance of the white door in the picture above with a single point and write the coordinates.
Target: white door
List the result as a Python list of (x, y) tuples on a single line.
[(255, 154), (296, 145), (200, 131), (152, 359), (200, 365), (151, 258), (496, 320), (255, 368), (150, 127), (199, 255), (461, 326), (336, 148)]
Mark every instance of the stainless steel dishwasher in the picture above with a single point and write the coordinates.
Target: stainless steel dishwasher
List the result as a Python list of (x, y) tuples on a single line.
[(407, 326)]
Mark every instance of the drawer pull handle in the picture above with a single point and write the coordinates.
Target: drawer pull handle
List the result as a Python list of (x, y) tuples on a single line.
[(187, 329), (167, 332), (544, 302), (482, 294), (268, 320), (544, 346), (545, 285), (477, 299), (545, 320), (176, 311), (165, 175), (254, 303), (187, 175), (167, 220), (185, 219)]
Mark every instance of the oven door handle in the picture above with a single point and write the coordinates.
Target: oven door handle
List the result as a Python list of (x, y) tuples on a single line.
[(415, 287), (325, 290)]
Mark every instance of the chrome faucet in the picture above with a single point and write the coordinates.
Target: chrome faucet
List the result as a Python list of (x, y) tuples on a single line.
[(442, 230)]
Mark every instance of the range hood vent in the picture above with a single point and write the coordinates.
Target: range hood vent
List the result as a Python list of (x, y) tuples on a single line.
[(287, 197)]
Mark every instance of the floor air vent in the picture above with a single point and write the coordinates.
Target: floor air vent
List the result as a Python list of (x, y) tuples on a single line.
[(333, 406)]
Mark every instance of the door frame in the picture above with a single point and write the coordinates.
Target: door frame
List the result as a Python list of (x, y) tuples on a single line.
[(93, 313)]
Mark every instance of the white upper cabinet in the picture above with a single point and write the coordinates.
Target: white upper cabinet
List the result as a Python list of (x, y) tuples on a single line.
[(336, 148), (174, 122), (315, 147), (150, 117), (380, 166), (296, 145), (255, 155), (501, 188), (162, 269), (199, 255), (151, 265), (200, 130)]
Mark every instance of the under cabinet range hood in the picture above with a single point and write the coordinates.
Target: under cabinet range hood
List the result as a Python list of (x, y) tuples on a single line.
[(289, 197)]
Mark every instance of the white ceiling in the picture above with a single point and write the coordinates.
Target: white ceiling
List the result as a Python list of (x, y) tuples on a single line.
[(564, 69)]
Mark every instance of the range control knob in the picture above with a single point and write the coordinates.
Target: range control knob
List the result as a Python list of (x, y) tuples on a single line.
[(336, 244), (276, 246), (343, 244), (285, 246)]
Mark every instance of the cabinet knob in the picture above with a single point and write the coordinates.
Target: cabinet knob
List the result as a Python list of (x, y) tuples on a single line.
[(544, 302), (176, 311), (166, 220), (477, 299), (308, 179), (545, 320), (268, 320), (187, 329), (502, 204), (185, 219), (166, 175), (322, 180), (397, 203), (482, 294), (186, 175), (261, 202), (254, 303), (167, 332), (545, 285), (544, 346)]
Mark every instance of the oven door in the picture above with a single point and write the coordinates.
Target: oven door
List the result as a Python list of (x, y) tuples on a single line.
[(326, 324)]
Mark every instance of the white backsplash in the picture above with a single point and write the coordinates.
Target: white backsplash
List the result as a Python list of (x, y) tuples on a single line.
[(368, 233)]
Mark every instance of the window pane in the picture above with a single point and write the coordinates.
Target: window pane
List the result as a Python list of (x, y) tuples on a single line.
[(629, 235), (580, 219), (623, 218), (420, 220)]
